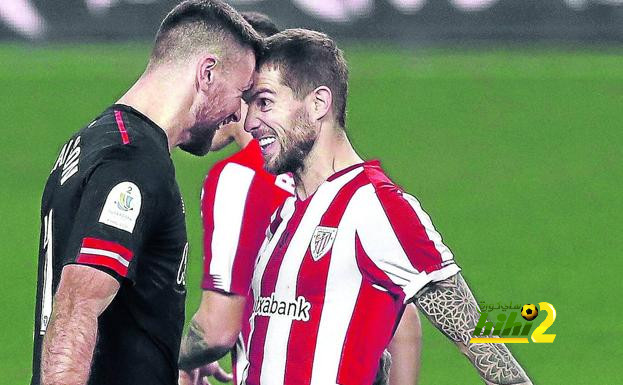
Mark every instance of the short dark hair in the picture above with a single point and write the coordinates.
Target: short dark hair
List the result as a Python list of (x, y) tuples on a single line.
[(196, 24), (261, 23), (309, 59)]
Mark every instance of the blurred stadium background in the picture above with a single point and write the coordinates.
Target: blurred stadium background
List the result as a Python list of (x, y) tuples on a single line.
[(502, 116)]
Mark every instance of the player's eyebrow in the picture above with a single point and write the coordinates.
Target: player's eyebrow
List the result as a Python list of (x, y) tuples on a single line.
[(251, 94)]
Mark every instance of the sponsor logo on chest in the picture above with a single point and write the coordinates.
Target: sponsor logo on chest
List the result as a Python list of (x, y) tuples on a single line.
[(270, 306)]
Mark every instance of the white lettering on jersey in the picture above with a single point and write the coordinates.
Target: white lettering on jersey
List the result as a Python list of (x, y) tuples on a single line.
[(68, 158), (269, 306), (285, 182), (122, 206), (46, 293), (321, 241), (181, 270)]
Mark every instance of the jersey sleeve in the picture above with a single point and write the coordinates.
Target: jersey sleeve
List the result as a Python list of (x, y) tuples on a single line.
[(235, 208), (116, 212), (397, 246)]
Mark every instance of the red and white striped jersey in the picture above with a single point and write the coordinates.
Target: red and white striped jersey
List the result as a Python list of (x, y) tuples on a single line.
[(237, 201), (332, 278)]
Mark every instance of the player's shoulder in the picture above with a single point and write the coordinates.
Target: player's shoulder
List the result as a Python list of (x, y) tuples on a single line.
[(376, 183), (123, 126), (379, 194), (243, 165), (121, 133), (250, 156)]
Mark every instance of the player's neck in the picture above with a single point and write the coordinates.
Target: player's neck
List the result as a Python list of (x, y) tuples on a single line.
[(331, 153), (156, 96)]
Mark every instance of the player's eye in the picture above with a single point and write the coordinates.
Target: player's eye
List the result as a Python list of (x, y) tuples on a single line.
[(264, 104)]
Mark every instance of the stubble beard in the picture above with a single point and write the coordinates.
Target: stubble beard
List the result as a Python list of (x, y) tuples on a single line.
[(296, 147), (202, 132)]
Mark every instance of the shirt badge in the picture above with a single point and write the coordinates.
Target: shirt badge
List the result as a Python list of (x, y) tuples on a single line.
[(321, 241), (122, 206)]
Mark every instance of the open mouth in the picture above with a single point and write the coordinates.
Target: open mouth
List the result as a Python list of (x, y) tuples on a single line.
[(266, 141)]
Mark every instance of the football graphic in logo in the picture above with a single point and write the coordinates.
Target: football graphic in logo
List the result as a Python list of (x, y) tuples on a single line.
[(529, 311)]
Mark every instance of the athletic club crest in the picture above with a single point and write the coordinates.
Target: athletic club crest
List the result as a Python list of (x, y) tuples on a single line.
[(321, 241)]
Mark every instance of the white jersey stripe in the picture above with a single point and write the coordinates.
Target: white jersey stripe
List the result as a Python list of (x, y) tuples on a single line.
[(105, 253), (278, 333), (431, 232), (229, 203), (379, 239), (269, 247), (337, 310), (242, 361), (267, 250)]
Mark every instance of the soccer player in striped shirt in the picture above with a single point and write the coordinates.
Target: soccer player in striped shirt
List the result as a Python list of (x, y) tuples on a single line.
[(238, 198), (342, 257)]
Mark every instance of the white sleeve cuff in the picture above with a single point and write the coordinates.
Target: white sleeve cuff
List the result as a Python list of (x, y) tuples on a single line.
[(424, 278)]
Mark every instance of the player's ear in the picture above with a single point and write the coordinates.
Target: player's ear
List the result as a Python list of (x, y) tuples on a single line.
[(321, 99), (205, 71)]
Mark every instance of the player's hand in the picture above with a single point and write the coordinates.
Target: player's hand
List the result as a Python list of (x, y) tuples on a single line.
[(200, 375)]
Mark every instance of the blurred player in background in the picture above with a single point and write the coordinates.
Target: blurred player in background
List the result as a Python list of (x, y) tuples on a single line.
[(238, 199), (343, 257), (112, 260)]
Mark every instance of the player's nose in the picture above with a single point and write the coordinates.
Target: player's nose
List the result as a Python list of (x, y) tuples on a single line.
[(251, 122)]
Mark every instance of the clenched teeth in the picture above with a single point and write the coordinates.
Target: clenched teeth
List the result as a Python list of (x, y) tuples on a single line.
[(267, 140)]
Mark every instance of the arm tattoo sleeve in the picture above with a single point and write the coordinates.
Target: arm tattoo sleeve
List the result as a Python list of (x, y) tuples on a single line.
[(452, 308), (195, 352)]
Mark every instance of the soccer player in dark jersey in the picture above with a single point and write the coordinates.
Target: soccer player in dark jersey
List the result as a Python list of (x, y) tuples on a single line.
[(111, 290)]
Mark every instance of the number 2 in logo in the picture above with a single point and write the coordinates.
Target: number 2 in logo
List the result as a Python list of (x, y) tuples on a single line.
[(538, 335)]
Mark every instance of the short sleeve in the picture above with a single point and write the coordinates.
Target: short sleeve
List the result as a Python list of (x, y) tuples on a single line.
[(115, 215), (397, 246), (235, 208)]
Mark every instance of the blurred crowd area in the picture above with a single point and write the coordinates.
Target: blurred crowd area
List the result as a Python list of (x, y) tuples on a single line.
[(417, 21)]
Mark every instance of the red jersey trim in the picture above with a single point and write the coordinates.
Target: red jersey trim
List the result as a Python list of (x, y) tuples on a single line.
[(121, 126), (105, 253)]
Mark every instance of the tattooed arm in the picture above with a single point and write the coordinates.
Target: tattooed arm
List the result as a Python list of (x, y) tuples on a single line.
[(452, 308), (213, 330), (83, 294)]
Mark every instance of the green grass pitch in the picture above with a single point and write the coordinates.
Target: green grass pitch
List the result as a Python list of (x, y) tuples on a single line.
[(516, 154)]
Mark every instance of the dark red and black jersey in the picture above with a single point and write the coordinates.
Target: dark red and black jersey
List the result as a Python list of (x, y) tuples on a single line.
[(112, 203)]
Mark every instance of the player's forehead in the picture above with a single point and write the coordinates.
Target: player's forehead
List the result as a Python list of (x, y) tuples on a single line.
[(268, 79), (247, 61), (244, 67)]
